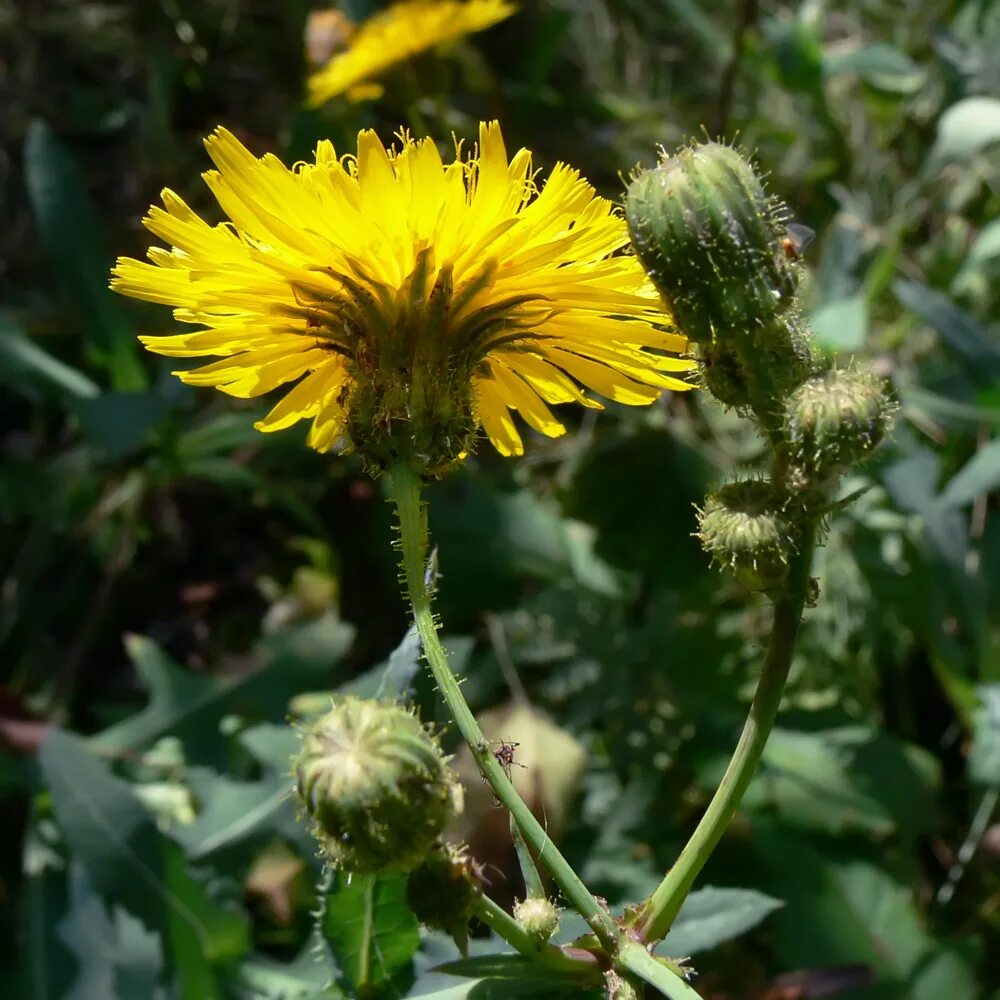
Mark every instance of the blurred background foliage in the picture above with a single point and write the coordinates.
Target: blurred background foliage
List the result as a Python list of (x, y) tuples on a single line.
[(174, 584)]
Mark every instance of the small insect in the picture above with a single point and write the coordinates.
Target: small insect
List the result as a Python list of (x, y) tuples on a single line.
[(796, 240), (504, 756)]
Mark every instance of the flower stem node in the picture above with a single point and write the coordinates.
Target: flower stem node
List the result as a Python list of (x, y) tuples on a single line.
[(616, 987), (835, 419), (376, 785), (539, 917), (711, 240), (744, 528), (443, 891)]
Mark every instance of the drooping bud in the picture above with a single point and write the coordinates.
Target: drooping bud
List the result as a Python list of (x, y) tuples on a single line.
[(539, 918), (442, 892), (744, 528), (835, 419), (376, 784), (711, 240)]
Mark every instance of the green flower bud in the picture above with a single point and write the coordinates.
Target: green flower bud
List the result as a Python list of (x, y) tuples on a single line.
[(723, 375), (712, 242), (376, 784), (444, 890), (744, 528), (538, 917), (835, 419)]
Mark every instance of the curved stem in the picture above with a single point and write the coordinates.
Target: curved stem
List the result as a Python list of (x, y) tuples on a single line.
[(663, 906), (504, 925), (405, 491)]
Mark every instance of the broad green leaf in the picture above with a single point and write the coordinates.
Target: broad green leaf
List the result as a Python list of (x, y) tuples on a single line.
[(190, 705), (22, 360), (841, 324), (371, 931), (712, 916), (120, 422), (133, 864), (308, 977), (233, 811), (271, 744), (72, 234), (943, 408), (966, 129), (980, 475), (846, 779), (116, 957), (986, 246), (963, 334), (984, 757), (47, 967), (882, 66), (841, 911), (506, 966)]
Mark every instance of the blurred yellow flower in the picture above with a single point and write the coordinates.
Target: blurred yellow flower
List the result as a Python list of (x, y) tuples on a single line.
[(410, 300), (396, 34)]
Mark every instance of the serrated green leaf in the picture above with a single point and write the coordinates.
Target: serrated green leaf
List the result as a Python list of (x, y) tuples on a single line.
[(71, 231), (116, 957), (132, 863), (189, 705), (712, 916), (371, 931)]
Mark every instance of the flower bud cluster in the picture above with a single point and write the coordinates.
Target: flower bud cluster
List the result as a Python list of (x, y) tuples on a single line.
[(723, 257), (376, 785)]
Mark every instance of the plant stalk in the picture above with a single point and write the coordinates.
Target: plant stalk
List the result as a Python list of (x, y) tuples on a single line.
[(405, 491), (634, 958), (662, 907), (504, 925)]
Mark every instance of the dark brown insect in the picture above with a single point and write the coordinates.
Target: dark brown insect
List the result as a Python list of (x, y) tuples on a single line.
[(503, 754)]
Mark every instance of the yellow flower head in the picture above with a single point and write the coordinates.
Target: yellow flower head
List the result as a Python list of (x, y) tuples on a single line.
[(396, 34), (409, 300)]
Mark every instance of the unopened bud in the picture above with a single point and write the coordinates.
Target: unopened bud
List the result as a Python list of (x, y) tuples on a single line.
[(539, 918), (443, 891), (376, 784), (836, 419), (744, 528), (711, 240)]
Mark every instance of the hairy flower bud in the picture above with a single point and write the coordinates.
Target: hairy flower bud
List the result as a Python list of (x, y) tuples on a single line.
[(538, 917), (712, 241), (836, 419), (744, 528), (376, 784), (442, 892)]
